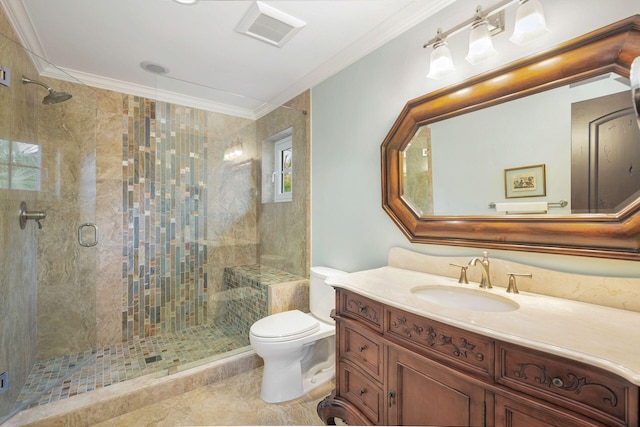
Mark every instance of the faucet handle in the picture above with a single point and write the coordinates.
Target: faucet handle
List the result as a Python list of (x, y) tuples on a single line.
[(512, 287), (463, 272)]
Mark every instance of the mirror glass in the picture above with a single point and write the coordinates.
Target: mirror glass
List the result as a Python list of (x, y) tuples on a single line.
[(575, 147)]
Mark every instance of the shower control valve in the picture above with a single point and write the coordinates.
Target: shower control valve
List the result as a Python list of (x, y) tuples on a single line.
[(26, 215)]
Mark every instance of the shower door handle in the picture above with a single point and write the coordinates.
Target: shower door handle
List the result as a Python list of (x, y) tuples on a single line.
[(80, 236)]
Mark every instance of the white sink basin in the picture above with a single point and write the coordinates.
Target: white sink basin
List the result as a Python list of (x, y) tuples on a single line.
[(465, 298)]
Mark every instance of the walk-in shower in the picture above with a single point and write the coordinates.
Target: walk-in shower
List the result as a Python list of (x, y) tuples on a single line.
[(187, 245), (53, 97)]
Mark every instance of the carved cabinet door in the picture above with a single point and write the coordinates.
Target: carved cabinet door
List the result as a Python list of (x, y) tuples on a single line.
[(427, 393)]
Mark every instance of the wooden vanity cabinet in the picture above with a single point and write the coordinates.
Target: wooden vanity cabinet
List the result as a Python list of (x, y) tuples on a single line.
[(398, 368)]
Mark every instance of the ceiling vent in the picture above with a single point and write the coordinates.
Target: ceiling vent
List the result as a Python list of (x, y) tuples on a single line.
[(269, 25)]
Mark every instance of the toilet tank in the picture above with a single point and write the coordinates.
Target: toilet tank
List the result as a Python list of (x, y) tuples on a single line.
[(322, 297)]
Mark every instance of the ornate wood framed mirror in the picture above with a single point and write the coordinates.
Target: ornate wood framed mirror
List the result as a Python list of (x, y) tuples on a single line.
[(599, 233)]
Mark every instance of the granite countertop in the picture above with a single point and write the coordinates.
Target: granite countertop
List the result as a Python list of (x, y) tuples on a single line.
[(601, 336)]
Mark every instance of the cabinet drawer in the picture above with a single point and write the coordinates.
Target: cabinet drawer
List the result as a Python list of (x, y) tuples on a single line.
[(532, 414), (362, 392), (362, 348), (360, 308), (465, 350), (573, 385)]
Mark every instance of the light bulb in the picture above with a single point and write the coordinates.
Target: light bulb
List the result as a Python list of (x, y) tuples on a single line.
[(440, 63), (480, 43), (530, 22)]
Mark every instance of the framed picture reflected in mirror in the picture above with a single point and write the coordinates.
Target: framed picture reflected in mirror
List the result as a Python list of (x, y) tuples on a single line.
[(525, 181)]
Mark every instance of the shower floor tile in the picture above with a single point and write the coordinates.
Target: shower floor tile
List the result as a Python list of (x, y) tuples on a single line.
[(61, 377)]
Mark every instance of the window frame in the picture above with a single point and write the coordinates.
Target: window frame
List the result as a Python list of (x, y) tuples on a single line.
[(280, 170)]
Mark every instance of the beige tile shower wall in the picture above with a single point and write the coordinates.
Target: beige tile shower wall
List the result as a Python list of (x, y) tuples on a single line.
[(18, 248), (109, 214), (288, 296), (284, 226)]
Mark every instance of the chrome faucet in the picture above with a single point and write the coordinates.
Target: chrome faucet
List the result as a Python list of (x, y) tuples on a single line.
[(485, 282)]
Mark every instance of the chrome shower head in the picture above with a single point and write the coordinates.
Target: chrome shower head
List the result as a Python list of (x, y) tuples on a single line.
[(53, 97)]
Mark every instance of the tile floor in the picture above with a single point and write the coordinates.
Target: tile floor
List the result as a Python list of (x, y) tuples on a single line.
[(58, 378), (231, 402)]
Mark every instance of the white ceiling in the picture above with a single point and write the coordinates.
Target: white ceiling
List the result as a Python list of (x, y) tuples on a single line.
[(211, 66)]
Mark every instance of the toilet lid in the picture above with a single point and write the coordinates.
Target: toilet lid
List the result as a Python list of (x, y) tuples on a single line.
[(288, 324)]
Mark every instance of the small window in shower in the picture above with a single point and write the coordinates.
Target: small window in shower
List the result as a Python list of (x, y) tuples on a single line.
[(283, 174), (277, 167), (20, 165)]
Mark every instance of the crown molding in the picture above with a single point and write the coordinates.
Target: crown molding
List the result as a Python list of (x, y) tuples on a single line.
[(148, 92)]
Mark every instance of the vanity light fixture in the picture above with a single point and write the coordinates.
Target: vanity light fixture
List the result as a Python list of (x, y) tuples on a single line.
[(441, 62), (530, 24), (187, 2), (480, 43)]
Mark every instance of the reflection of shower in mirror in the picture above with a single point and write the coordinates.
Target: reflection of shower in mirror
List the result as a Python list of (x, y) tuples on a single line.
[(634, 76)]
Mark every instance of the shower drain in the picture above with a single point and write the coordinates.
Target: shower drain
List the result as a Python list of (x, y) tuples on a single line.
[(152, 359)]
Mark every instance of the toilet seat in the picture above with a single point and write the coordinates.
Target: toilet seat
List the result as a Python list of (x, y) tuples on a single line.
[(285, 326)]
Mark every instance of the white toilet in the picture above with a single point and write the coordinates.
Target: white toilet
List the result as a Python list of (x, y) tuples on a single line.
[(298, 348)]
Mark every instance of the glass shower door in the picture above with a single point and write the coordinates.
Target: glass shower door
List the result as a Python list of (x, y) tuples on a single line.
[(47, 279)]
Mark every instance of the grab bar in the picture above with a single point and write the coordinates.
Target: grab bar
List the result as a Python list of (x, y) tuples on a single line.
[(80, 234)]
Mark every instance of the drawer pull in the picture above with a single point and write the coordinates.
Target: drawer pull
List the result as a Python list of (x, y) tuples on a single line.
[(557, 382), (361, 392), (361, 348), (361, 308)]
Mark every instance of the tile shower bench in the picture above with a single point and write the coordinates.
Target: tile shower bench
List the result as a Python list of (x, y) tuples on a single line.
[(251, 292)]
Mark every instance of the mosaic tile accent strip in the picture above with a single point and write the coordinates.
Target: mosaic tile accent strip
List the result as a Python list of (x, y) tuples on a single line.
[(246, 293), (164, 170), (125, 361)]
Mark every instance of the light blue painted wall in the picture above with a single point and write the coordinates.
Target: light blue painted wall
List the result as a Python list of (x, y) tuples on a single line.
[(353, 111)]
